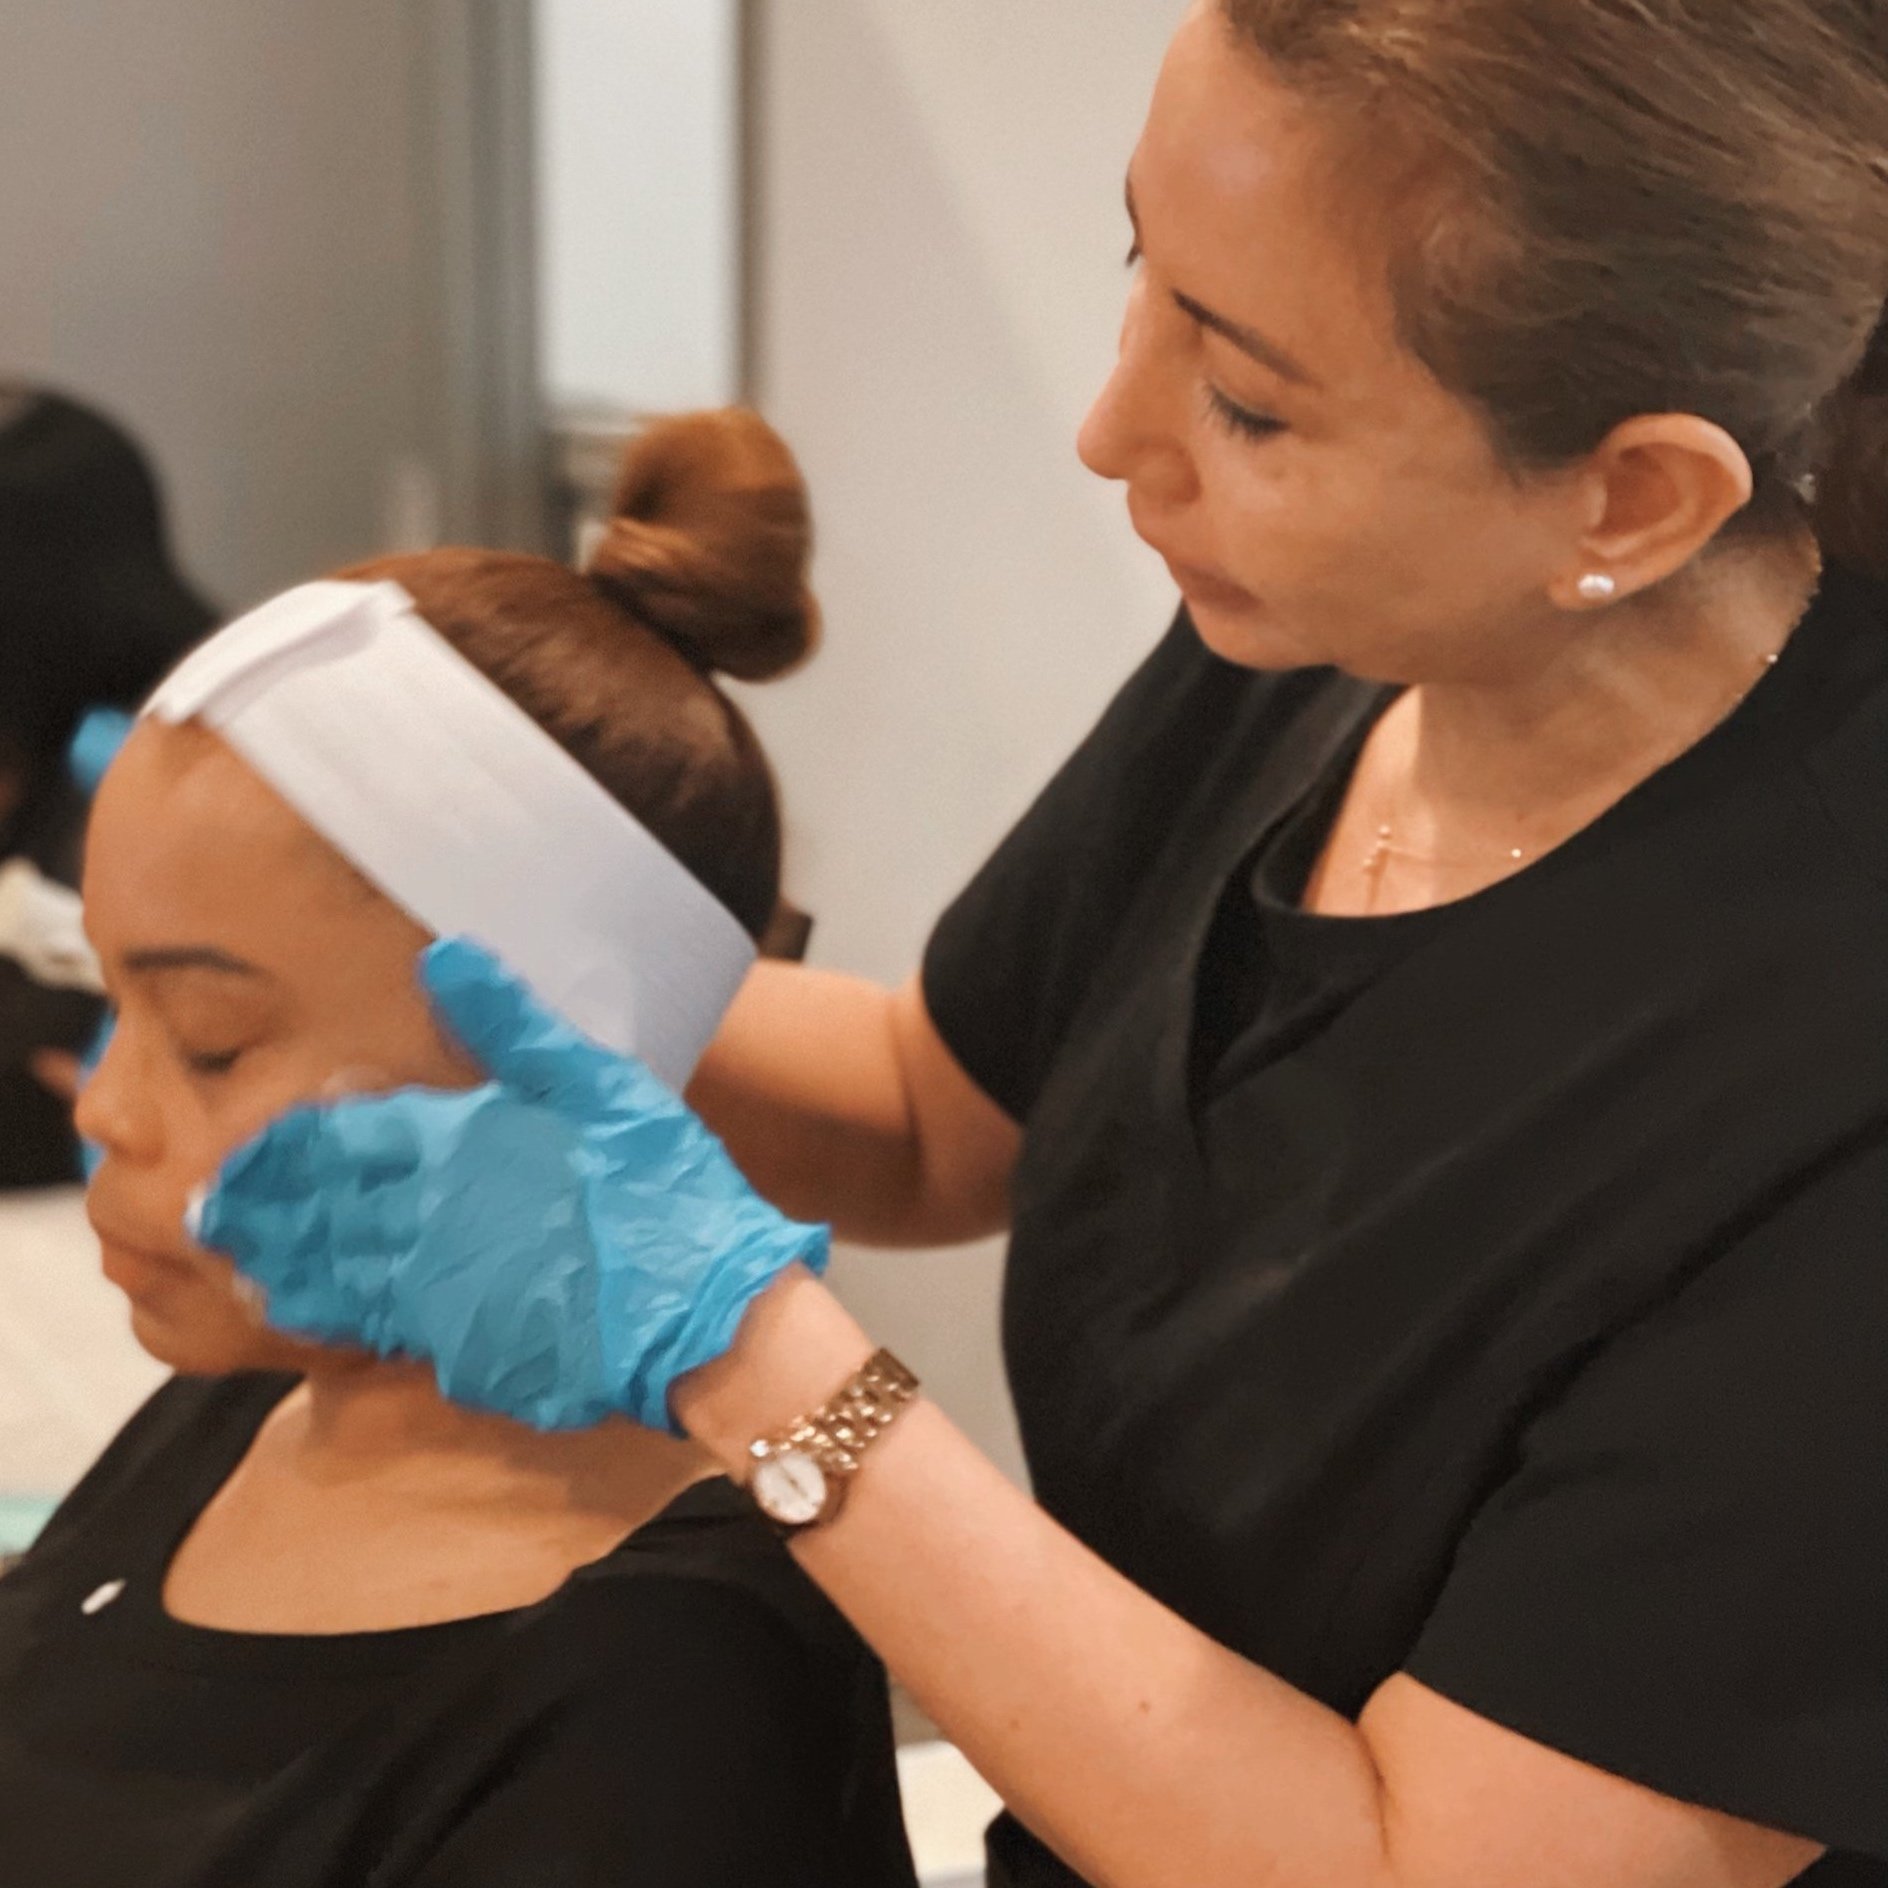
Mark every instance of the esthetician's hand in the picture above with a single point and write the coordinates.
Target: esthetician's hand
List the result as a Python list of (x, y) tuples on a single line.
[(563, 1242)]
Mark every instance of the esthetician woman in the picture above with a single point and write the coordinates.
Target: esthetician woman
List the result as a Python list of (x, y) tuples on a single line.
[(1429, 1046)]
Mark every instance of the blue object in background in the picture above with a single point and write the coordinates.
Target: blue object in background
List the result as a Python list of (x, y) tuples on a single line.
[(94, 746), (91, 1155), (21, 1518)]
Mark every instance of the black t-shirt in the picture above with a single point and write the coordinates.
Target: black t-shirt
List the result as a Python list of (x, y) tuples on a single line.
[(1271, 973), (687, 1710), (1497, 1294)]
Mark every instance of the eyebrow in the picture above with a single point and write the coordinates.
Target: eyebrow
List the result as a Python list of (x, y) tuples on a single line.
[(1249, 341), (190, 957)]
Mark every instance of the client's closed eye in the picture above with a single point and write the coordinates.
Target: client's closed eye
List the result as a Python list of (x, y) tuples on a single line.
[(211, 1062), (212, 1005)]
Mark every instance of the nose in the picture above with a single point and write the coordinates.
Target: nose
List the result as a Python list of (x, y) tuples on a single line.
[(111, 1112), (1135, 431)]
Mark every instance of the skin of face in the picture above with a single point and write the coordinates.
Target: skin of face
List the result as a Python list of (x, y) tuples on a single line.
[(251, 970), (1360, 517)]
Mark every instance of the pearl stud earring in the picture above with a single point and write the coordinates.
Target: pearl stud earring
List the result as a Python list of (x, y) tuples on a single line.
[(1598, 587)]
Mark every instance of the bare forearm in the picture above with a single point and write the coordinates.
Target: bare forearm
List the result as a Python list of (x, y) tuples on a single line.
[(840, 1103), (1145, 1753), (804, 1087)]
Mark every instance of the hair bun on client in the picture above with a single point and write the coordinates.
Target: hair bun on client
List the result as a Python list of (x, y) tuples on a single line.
[(710, 542)]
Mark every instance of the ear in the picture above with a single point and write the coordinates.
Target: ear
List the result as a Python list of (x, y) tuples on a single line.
[(1657, 490)]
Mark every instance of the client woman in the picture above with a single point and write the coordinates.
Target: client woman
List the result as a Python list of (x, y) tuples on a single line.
[(306, 1623)]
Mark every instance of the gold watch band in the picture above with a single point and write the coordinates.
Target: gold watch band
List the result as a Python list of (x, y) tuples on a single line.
[(828, 1444), (871, 1401)]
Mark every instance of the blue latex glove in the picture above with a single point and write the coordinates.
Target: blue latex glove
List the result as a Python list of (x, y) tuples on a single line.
[(91, 1155), (563, 1242), (94, 746)]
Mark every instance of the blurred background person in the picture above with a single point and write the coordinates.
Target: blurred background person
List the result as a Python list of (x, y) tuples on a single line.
[(92, 611)]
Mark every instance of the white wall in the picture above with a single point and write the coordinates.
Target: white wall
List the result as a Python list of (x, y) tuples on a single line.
[(940, 285), (207, 225), (638, 201)]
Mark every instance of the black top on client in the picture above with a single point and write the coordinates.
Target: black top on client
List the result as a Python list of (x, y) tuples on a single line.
[(307, 1622), (684, 1709)]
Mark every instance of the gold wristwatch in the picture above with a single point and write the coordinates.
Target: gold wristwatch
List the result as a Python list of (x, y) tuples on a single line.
[(799, 1477)]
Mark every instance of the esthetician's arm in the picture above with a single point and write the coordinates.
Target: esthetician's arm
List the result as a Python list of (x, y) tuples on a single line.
[(1146, 1754), (1142, 1751), (840, 1102)]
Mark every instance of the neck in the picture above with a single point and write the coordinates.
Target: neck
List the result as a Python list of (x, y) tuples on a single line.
[(1611, 700), (389, 1422)]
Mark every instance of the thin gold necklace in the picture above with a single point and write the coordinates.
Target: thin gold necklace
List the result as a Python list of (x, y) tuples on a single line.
[(1386, 847)]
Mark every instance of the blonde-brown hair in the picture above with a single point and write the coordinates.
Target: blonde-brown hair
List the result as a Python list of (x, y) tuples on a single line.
[(701, 570), (1599, 208)]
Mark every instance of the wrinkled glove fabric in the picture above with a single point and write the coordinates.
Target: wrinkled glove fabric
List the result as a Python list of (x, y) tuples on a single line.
[(562, 1242)]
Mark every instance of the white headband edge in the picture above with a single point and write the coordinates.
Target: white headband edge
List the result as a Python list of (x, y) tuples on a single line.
[(319, 690)]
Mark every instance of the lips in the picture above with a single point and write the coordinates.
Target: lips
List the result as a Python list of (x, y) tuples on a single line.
[(1208, 587), (1199, 583), (131, 1264)]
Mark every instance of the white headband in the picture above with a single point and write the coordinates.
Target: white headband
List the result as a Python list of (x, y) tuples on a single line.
[(463, 811)]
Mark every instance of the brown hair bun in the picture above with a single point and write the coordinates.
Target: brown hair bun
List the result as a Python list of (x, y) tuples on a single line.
[(710, 543)]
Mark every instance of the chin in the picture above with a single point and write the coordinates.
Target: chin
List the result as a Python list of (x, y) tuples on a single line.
[(196, 1347), (1248, 639), (189, 1320), (221, 1346)]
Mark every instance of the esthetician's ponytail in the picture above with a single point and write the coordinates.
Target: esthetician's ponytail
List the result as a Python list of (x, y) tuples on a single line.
[(1851, 507)]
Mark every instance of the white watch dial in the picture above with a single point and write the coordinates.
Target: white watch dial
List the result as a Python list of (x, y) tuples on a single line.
[(791, 1487)]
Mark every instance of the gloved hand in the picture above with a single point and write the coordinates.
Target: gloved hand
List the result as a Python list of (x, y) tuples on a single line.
[(563, 1242)]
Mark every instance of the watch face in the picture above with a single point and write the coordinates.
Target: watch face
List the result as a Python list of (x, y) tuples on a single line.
[(791, 1488)]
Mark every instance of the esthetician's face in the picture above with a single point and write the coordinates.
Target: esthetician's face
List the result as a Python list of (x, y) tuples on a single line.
[(1329, 502), (251, 971)]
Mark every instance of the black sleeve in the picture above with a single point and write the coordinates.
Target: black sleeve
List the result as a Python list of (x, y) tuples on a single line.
[(1685, 1582), (706, 1750), (1010, 959)]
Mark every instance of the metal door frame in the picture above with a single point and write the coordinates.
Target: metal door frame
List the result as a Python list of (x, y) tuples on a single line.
[(481, 407)]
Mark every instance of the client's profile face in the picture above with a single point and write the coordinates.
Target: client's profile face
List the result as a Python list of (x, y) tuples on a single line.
[(250, 971)]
